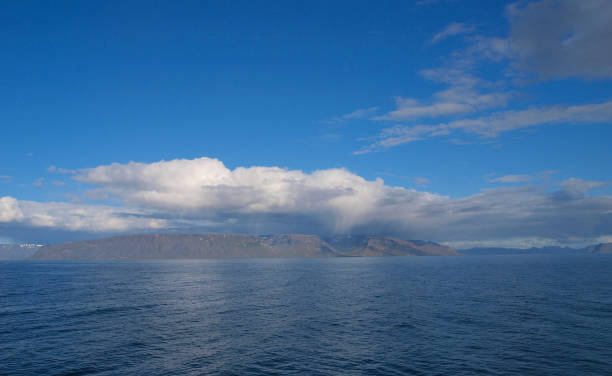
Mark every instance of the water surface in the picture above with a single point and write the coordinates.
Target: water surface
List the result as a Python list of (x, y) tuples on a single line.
[(489, 315)]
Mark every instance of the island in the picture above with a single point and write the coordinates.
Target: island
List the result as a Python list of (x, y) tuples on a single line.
[(223, 246)]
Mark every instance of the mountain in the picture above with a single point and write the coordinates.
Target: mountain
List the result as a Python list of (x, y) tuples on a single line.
[(17, 251), (376, 246), (519, 251), (187, 246), (203, 246), (599, 248)]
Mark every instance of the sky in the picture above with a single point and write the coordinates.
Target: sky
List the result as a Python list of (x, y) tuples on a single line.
[(467, 123)]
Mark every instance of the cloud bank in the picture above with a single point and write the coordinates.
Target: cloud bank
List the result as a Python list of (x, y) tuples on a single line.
[(204, 195)]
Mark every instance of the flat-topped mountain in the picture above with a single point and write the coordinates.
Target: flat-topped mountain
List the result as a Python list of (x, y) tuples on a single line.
[(203, 246)]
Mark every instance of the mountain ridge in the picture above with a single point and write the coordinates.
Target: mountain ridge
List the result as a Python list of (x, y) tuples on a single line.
[(205, 246)]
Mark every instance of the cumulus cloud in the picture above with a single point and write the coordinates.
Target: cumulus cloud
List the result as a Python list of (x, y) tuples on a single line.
[(451, 30), (203, 195), (562, 38), (206, 185), (10, 210), (76, 217)]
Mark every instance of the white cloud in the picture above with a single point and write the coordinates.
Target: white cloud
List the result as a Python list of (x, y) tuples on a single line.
[(465, 94), (206, 185), (551, 38), (451, 30), (361, 113), (421, 181), (339, 200), (9, 210), (76, 217), (495, 124), (39, 182), (202, 194), (457, 99), (582, 186), (492, 48), (520, 178), (512, 179), (60, 170)]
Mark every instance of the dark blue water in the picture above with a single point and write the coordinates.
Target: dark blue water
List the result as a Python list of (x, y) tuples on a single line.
[(500, 315)]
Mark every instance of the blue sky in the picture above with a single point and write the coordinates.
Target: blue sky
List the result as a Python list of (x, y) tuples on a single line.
[(484, 122)]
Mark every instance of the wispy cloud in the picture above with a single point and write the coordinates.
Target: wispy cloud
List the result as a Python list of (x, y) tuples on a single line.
[(465, 94), (60, 170), (451, 30), (551, 39), (582, 186), (495, 124), (512, 179), (421, 181), (452, 101), (520, 178), (361, 113)]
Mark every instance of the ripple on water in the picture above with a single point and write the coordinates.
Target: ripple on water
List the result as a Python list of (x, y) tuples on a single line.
[(527, 315)]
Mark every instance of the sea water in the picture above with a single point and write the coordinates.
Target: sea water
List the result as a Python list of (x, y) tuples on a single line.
[(483, 315)]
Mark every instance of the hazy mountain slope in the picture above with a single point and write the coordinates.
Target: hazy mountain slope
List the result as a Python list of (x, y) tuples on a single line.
[(599, 248), (385, 246), (17, 251)]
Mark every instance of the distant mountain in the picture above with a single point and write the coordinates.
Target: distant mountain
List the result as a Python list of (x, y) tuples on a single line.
[(519, 251), (17, 251), (593, 249), (203, 246), (599, 248), (375, 246)]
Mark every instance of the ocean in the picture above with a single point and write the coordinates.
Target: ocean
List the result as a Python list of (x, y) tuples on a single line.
[(480, 315)]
